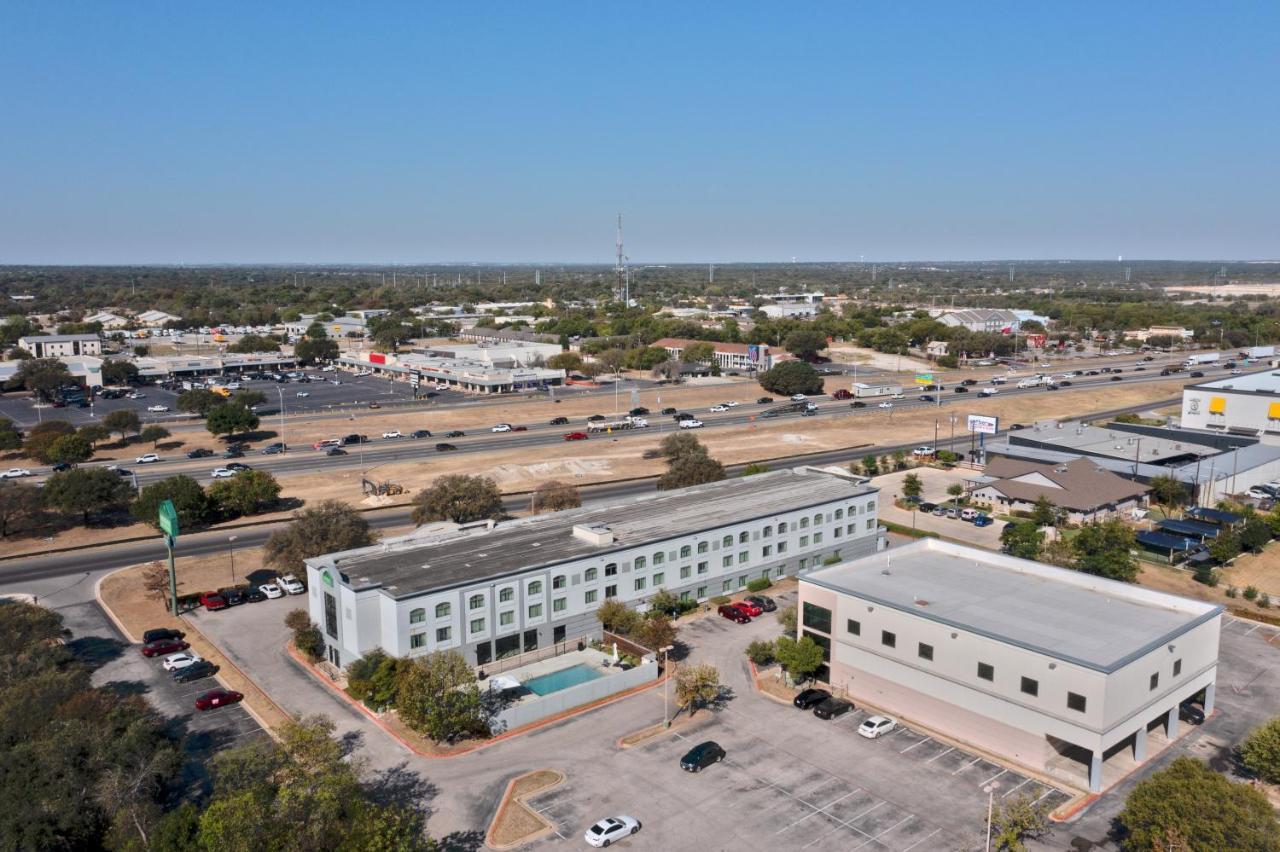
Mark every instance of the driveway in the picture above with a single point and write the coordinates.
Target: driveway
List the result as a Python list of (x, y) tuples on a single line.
[(935, 482)]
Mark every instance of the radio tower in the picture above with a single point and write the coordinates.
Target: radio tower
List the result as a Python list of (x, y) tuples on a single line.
[(620, 270)]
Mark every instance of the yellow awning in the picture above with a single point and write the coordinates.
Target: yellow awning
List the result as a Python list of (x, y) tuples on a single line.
[(1273, 411), (1217, 404)]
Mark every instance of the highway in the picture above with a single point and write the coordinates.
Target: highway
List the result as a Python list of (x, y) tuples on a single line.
[(110, 556)]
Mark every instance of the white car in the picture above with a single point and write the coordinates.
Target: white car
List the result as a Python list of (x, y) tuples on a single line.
[(302, 394), (135, 395), (898, 396), (180, 660), (877, 726), (395, 433), (157, 409), (716, 409), (271, 590), (924, 451), (328, 368), (147, 458), (501, 427), (885, 405), (222, 473), (690, 424), (611, 830), (639, 422), (15, 473), (732, 404), (292, 584), (988, 392), (1045, 364), (798, 397)]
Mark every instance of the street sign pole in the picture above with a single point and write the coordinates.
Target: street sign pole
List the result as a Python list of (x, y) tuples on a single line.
[(173, 577), (168, 520)]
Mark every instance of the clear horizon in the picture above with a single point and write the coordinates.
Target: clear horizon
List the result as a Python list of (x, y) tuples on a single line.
[(243, 135)]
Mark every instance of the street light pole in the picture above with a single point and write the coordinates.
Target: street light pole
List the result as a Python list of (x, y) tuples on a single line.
[(280, 391), (665, 651), (990, 790), (231, 553)]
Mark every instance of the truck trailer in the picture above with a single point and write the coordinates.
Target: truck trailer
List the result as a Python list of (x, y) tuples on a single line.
[(861, 390), (1200, 360)]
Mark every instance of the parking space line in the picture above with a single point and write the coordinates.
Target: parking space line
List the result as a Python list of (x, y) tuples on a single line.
[(922, 840), (887, 830), (992, 778), (936, 756), (913, 745), (846, 824), (966, 766), (1251, 629), (1049, 792), (1025, 781)]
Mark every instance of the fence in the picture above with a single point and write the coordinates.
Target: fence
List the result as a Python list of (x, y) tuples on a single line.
[(625, 646), (529, 711), (516, 660)]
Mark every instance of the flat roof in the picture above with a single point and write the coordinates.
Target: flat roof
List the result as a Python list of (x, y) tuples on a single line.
[(1077, 618), (1110, 443), (464, 557), (1263, 382)]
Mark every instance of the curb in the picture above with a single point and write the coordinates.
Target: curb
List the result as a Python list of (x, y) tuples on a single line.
[(102, 605), (507, 801)]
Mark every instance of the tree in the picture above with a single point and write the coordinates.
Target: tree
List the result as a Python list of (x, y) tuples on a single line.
[(791, 377), (656, 631), (116, 372), (387, 338), (912, 486), (307, 637), (153, 435), (10, 437), (805, 343), (230, 418), (84, 491), (1260, 751), (198, 401), (439, 696), (68, 449), (42, 376), (311, 350), (1255, 534), (616, 617), (1225, 547), (254, 343), (701, 352), (1202, 808), (327, 528), (458, 498), (374, 678), (696, 686), (94, 433), (679, 444), (800, 657), (762, 652), (42, 437), (247, 493), (1167, 491), (788, 616), (688, 470), (1104, 549), (1042, 513), (1022, 539), (125, 421), (1014, 820), (570, 362), (248, 398), (189, 499), (20, 507), (870, 465), (611, 360), (955, 491), (555, 496)]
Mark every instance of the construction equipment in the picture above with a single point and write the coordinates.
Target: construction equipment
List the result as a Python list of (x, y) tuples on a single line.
[(381, 489)]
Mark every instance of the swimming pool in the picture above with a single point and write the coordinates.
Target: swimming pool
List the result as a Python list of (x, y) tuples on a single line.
[(563, 679)]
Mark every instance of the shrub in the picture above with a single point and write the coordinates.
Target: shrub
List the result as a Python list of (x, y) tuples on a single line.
[(306, 635), (720, 600), (1260, 751), (1264, 601), (831, 560), (1250, 593), (759, 584), (1232, 592), (761, 653)]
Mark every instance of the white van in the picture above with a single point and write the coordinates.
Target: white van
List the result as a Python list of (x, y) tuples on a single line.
[(1028, 383)]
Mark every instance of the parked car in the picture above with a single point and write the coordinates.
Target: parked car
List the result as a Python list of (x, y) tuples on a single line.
[(732, 613), (982, 520), (222, 473), (157, 409), (254, 594), (877, 726), (159, 634), (765, 602), (180, 660), (233, 597), (749, 608), (164, 647), (559, 421), (271, 590), (147, 458), (575, 436), (1191, 712), (218, 698), (832, 708), (394, 433), (809, 698), (444, 448), (199, 453), (196, 671), (213, 601), (420, 433), (611, 829), (923, 451), (701, 756), (291, 584)]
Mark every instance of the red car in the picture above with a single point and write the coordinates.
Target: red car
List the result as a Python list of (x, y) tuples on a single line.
[(164, 647), (732, 613), (519, 428), (213, 601), (218, 698), (749, 608), (575, 436)]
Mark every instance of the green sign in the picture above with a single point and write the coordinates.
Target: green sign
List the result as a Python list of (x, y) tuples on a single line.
[(169, 519), (924, 378), (327, 578)]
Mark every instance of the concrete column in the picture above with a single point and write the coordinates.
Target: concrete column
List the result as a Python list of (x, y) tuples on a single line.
[(1095, 773), (1171, 723), (1140, 745), (1208, 698)]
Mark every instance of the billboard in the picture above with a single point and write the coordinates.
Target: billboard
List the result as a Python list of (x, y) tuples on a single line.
[(377, 358), (924, 378), (753, 353), (984, 425)]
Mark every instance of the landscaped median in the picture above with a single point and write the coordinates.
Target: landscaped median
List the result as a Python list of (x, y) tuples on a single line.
[(516, 823)]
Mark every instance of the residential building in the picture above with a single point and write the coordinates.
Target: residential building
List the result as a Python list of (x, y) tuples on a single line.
[(490, 590), (1053, 669), (730, 356), (1081, 488), (59, 345)]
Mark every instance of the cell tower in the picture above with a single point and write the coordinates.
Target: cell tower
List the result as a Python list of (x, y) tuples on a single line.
[(620, 270)]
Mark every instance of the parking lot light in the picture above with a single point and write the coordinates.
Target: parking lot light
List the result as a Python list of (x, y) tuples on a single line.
[(664, 651), (990, 790)]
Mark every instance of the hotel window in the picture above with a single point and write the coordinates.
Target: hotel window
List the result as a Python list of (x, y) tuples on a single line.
[(837, 532), (782, 527), (535, 610), (850, 528), (442, 610), (854, 627), (417, 616), (726, 586), (744, 537), (767, 550), (726, 561), (508, 594), (612, 568), (639, 583), (641, 564), (702, 547), (804, 563), (817, 519), (686, 571), (658, 578), (742, 581), (871, 507), (839, 514), (817, 617), (743, 557), (477, 625), (804, 541), (442, 634), (703, 567), (727, 541), (1177, 667), (804, 523), (417, 640), (610, 592), (1030, 686), (702, 592), (768, 531), (871, 524), (817, 538), (506, 618), (684, 596), (924, 652), (590, 596), (476, 602), (559, 582), (535, 588), (1075, 702), (658, 558), (986, 671), (559, 604), (888, 639), (1155, 680), (782, 547), (686, 552)]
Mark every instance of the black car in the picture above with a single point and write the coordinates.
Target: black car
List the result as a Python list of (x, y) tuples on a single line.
[(764, 400), (668, 411), (1116, 378), (233, 597), (701, 756), (1191, 712), (1117, 369), (456, 433), (832, 708), (1091, 372), (683, 415), (1016, 426), (857, 404), (763, 601), (200, 453), (434, 394), (1197, 375), (159, 633), (1051, 387), (335, 451), (639, 411), (233, 454), (420, 433), (273, 449), (559, 421), (961, 389), (238, 467), (1066, 383), (195, 671), (444, 448), (123, 471), (1138, 369), (969, 382), (61, 466), (924, 397), (927, 507), (810, 698), (254, 595), (355, 439), (595, 418)]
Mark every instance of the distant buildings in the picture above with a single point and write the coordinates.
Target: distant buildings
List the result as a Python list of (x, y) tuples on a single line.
[(730, 356), (58, 345), (1239, 405), (992, 320), (108, 320), (156, 319), (475, 368), (1177, 332), (85, 369), (484, 334), (792, 305)]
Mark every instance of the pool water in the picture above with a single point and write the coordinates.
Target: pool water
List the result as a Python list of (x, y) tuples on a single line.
[(563, 679)]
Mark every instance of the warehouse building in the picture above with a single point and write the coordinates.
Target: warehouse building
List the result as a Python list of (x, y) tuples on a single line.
[(1062, 672), (61, 345), (730, 356), (1238, 405), (495, 590)]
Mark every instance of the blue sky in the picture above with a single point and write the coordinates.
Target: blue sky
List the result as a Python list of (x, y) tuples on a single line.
[(325, 132)]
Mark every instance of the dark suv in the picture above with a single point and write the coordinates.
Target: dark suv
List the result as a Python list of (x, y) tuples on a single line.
[(355, 439), (702, 756), (233, 597), (160, 633), (830, 708), (810, 698), (763, 601), (195, 671)]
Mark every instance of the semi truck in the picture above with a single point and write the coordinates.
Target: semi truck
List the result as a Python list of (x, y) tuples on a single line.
[(1201, 360), (1255, 352)]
